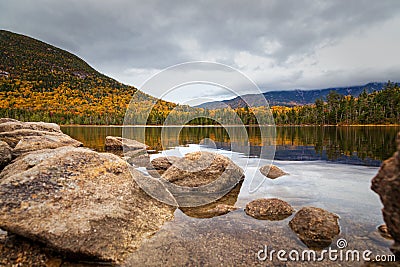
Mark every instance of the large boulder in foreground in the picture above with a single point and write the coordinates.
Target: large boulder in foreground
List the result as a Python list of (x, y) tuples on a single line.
[(273, 209), (387, 185), (78, 202), (5, 154), (316, 227), (8, 125), (272, 172)]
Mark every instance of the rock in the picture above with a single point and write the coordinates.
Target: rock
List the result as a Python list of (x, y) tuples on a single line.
[(5, 154), (32, 143), (201, 178), (201, 168), (161, 164), (387, 185), (8, 125), (13, 137), (30, 160), (137, 158), (316, 227), (271, 171), (384, 231), (79, 202), (269, 209), (220, 207), (123, 144), (132, 151)]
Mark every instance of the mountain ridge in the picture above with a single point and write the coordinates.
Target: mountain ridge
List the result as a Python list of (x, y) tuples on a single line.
[(290, 98)]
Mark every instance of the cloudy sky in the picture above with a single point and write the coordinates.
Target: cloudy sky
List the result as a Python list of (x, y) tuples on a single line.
[(279, 44)]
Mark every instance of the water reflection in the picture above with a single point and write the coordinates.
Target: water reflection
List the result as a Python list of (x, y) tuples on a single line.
[(361, 145)]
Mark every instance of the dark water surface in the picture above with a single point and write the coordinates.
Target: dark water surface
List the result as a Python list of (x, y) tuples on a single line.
[(359, 145)]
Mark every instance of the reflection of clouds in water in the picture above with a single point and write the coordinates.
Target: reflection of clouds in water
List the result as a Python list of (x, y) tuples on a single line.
[(339, 188), (307, 181)]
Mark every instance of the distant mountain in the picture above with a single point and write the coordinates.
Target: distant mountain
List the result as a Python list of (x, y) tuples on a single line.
[(39, 81), (291, 97)]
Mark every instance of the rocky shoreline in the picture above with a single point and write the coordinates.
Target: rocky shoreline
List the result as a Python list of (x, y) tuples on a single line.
[(61, 203)]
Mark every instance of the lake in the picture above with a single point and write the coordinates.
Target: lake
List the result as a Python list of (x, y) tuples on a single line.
[(359, 145), (329, 167)]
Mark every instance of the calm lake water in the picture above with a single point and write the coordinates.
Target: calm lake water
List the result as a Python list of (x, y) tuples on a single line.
[(359, 145), (309, 154)]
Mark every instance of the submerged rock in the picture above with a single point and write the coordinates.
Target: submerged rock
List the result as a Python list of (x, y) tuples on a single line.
[(269, 209), (5, 154), (316, 227), (220, 207), (8, 125), (387, 185), (79, 202), (271, 171)]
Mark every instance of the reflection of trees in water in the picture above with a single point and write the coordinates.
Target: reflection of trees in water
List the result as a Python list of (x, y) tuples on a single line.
[(362, 142), (355, 141)]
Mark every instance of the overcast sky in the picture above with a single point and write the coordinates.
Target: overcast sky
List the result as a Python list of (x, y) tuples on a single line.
[(278, 44)]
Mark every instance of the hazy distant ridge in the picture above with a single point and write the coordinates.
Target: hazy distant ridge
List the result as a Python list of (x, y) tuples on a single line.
[(292, 97)]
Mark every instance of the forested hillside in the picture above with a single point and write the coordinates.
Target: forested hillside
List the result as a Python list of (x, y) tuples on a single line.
[(41, 82)]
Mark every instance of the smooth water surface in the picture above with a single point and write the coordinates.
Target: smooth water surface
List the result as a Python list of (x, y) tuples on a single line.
[(360, 145)]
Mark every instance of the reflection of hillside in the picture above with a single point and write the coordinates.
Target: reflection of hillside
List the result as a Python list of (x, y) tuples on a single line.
[(356, 145)]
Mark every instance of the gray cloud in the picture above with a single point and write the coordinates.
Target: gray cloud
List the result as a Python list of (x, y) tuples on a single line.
[(280, 44)]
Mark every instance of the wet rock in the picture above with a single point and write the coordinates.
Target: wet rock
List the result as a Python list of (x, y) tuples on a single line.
[(269, 209), (387, 185), (201, 168), (161, 164), (384, 231), (8, 125), (5, 154), (32, 143), (316, 227), (209, 212), (220, 207), (79, 202), (271, 171), (115, 143)]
